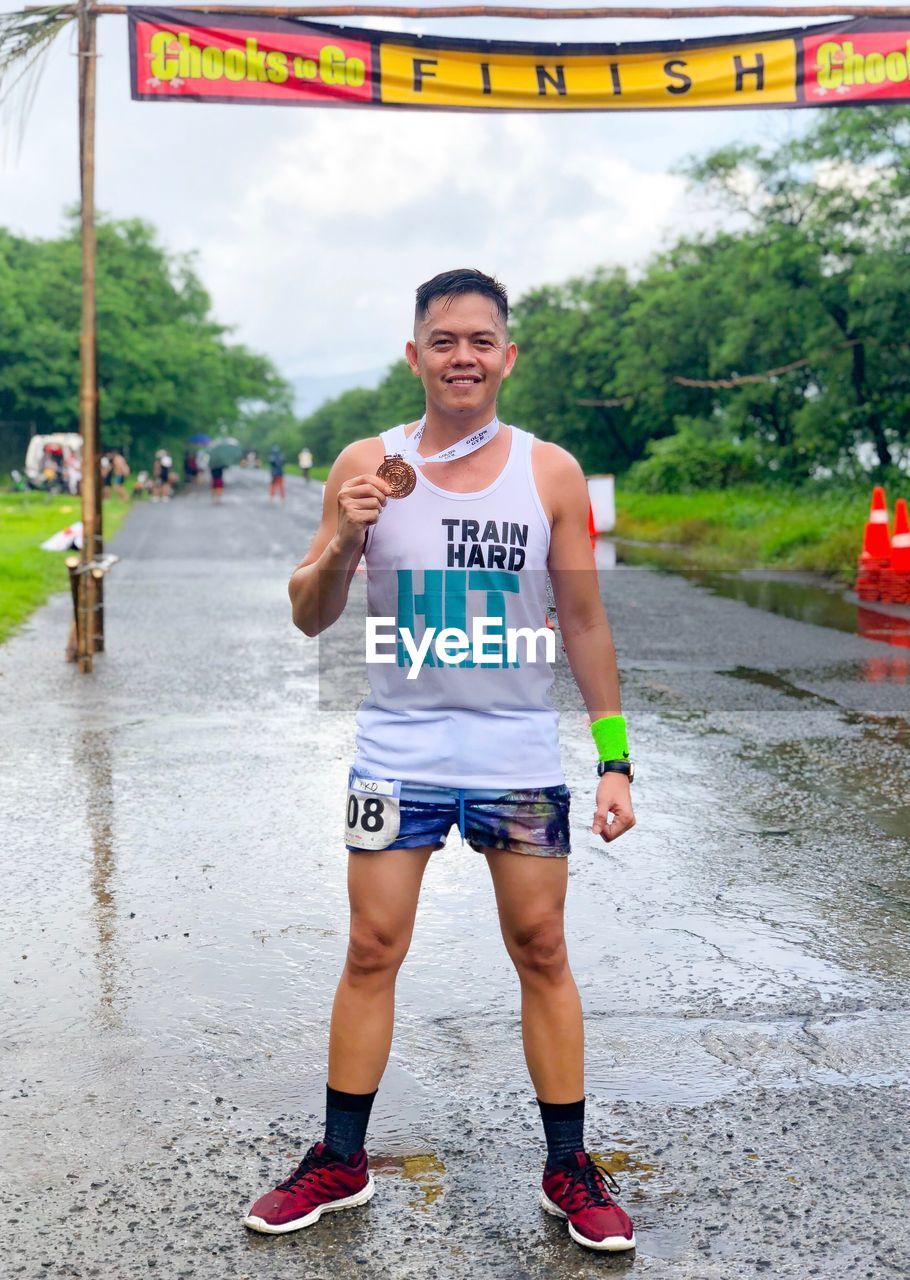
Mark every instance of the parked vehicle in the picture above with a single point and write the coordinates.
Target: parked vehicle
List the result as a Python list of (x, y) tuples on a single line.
[(54, 462)]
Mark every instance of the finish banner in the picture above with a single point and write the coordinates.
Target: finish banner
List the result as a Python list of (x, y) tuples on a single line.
[(180, 55)]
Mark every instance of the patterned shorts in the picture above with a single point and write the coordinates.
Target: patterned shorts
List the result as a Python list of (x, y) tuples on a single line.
[(535, 820)]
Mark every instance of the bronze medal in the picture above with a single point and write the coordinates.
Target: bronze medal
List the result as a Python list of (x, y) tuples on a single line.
[(399, 474)]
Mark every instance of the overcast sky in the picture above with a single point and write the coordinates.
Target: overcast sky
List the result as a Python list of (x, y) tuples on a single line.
[(314, 226)]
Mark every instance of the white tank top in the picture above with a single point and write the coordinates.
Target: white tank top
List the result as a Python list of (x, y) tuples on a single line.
[(438, 558)]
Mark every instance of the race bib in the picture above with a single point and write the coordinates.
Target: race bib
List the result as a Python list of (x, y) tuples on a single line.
[(373, 813)]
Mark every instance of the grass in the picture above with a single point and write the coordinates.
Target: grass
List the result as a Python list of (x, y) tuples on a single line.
[(29, 575), (751, 527)]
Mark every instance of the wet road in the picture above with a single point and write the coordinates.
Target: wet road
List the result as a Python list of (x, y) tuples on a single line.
[(174, 925)]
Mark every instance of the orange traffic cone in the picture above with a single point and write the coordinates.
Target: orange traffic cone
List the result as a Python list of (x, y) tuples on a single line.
[(898, 576), (876, 553), (592, 532)]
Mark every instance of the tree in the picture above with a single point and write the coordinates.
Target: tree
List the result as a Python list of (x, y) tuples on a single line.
[(843, 191), (564, 385), (166, 367)]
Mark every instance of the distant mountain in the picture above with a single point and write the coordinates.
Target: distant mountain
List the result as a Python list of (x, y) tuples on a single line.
[(310, 392)]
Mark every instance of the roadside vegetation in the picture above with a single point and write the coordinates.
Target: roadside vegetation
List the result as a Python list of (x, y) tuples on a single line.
[(746, 528), (29, 575)]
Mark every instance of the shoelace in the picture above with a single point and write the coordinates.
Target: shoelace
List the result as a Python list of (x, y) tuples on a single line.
[(310, 1162), (595, 1177)]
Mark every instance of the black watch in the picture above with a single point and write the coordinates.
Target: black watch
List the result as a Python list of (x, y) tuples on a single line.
[(617, 766)]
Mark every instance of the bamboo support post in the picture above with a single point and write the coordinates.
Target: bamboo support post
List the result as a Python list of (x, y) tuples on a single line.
[(92, 546)]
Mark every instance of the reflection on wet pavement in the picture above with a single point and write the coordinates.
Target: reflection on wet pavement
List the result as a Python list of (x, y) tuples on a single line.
[(174, 926), (792, 594)]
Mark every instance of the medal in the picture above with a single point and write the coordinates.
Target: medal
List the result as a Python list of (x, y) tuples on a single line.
[(397, 473), (397, 468)]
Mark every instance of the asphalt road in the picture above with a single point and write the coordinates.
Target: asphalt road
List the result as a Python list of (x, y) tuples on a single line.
[(175, 914)]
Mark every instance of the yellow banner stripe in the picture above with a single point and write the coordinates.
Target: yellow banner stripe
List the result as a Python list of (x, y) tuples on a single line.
[(750, 73)]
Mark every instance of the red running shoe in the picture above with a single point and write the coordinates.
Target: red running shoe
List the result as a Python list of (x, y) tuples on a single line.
[(580, 1194), (320, 1183)]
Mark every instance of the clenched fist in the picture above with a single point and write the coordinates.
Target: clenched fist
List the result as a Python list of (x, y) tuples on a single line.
[(360, 501)]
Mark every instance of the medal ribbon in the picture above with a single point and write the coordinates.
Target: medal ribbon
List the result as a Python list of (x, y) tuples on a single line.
[(460, 449)]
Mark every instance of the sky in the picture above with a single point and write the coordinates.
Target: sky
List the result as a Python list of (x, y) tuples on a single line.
[(312, 227)]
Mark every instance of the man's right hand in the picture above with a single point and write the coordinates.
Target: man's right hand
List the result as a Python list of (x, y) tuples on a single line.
[(360, 503)]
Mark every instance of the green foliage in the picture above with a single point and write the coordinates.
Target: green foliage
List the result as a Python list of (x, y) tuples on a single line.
[(570, 340), (751, 527), (166, 368), (691, 459)]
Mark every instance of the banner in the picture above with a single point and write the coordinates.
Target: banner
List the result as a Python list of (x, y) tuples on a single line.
[(179, 55)]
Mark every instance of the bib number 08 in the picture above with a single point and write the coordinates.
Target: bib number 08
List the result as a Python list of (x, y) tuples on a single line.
[(372, 817)]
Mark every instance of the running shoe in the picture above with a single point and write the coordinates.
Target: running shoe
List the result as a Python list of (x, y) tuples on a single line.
[(321, 1183), (580, 1194)]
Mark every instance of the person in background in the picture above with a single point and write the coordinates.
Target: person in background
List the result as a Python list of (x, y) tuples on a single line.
[(276, 467), (106, 469), (120, 470), (72, 470), (191, 466), (217, 483), (305, 462), (167, 463), (156, 475)]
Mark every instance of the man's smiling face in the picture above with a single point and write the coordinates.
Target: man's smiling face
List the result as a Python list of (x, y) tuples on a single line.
[(461, 353)]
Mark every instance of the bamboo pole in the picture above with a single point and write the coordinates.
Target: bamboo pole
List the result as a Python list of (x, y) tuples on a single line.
[(88, 380), (514, 11)]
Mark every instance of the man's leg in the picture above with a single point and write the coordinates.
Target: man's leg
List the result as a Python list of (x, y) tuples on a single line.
[(383, 889), (530, 896)]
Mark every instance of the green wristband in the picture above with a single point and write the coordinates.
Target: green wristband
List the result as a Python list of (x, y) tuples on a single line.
[(610, 738)]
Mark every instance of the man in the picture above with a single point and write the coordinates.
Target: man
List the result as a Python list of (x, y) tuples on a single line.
[(484, 513), (276, 469), (305, 462)]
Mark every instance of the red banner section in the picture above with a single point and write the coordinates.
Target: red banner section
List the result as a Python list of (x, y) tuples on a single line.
[(871, 66), (247, 62)]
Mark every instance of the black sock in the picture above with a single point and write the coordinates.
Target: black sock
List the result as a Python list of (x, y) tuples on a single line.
[(346, 1118), (564, 1128)]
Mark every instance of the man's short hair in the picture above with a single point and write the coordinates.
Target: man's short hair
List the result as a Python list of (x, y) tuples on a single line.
[(451, 284)]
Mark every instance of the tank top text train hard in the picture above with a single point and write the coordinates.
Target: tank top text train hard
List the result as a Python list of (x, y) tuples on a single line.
[(441, 559)]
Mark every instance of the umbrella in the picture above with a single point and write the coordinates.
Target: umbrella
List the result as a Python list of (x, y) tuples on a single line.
[(224, 452), (200, 438)]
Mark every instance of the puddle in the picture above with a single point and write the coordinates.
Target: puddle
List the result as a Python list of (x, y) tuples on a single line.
[(425, 1171), (770, 680), (802, 596), (625, 1160), (895, 822), (895, 726)]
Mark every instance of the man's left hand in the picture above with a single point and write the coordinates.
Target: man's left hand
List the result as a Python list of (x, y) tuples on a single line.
[(613, 798)]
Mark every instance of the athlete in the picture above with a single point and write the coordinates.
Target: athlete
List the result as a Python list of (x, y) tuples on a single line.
[(468, 519)]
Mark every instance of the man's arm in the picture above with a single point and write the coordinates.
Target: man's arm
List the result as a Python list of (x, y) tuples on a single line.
[(353, 501), (583, 622), (582, 619)]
